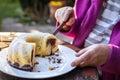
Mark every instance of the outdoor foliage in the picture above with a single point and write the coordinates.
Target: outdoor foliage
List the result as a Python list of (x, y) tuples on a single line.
[(36, 9), (27, 10), (9, 8)]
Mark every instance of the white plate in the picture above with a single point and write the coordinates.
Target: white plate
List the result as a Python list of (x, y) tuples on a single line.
[(41, 70)]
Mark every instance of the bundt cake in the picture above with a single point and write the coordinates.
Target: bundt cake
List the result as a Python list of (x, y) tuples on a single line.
[(23, 49)]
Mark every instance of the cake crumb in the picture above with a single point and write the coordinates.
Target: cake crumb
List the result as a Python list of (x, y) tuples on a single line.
[(36, 62), (59, 60), (38, 71), (56, 54), (51, 68)]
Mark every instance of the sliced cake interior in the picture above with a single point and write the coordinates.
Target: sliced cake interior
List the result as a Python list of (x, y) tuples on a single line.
[(23, 49)]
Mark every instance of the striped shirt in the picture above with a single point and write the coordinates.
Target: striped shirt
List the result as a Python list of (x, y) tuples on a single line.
[(108, 17)]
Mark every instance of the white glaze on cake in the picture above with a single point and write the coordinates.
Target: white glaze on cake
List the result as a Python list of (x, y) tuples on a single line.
[(23, 49)]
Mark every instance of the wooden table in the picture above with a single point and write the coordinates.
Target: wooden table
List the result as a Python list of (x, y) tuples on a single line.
[(86, 73)]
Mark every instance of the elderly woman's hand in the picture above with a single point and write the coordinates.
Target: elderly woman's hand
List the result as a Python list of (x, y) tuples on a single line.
[(94, 55), (64, 14)]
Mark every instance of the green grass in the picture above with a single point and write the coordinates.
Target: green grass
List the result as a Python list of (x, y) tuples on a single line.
[(8, 8), (12, 8)]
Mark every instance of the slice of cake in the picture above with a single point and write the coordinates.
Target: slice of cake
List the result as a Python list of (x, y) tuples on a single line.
[(24, 48)]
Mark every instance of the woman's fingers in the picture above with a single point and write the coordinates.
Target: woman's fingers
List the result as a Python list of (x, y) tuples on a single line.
[(82, 60), (80, 52), (67, 13), (71, 21), (62, 14), (94, 55), (68, 25)]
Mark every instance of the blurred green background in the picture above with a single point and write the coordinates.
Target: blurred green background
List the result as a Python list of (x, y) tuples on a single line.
[(31, 10)]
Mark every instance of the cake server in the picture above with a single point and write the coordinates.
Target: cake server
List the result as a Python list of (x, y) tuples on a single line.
[(59, 27)]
